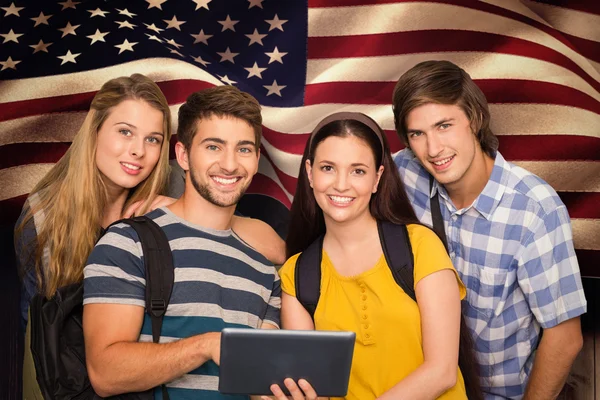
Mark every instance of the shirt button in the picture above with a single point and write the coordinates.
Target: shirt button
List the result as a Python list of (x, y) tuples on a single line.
[(364, 297), (362, 289), (364, 316), (364, 307), (366, 326), (368, 336)]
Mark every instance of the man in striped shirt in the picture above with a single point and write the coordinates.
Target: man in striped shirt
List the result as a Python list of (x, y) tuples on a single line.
[(220, 281), (509, 234)]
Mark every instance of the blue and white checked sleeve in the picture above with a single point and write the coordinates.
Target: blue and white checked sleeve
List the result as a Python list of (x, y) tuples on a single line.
[(548, 271)]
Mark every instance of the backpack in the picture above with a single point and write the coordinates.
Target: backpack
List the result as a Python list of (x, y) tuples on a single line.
[(57, 344), (398, 255)]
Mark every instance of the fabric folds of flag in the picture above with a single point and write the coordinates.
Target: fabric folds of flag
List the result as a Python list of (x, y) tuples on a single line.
[(538, 62)]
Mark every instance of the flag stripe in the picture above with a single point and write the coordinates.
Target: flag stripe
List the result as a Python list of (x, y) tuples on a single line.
[(495, 90), (428, 15), (430, 41), (175, 91), (264, 185), (480, 66), (569, 21), (588, 48), (582, 205), (588, 262), (586, 233), (566, 176), (588, 6), (580, 5)]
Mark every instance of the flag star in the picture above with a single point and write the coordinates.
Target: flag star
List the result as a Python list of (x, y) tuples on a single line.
[(227, 56), (41, 46), (11, 36), (228, 23), (199, 60), (201, 4), (173, 51), (12, 10), (201, 37), (68, 30), (276, 55), (98, 13), (226, 80), (274, 88), (155, 3), (125, 46), (69, 57), (126, 12), (276, 23), (256, 37), (255, 71), (173, 23), (173, 43), (9, 63), (255, 3), (98, 36), (69, 4), (125, 24), (152, 37), (154, 28), (42, 19)]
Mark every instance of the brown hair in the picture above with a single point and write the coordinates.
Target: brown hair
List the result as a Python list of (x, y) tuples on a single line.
[(389, 203), (443, 82), (220, 101), (72, 195)]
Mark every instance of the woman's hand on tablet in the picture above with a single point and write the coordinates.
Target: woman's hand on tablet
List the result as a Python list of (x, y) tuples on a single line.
[(301, 391)]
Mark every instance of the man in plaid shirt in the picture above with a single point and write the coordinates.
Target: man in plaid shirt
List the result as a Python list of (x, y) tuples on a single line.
[(509, 234)]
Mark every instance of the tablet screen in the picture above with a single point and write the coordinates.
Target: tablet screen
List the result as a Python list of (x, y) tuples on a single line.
[(253, 359)]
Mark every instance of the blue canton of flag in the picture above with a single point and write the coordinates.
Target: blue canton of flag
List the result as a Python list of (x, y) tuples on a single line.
[(259, 47)]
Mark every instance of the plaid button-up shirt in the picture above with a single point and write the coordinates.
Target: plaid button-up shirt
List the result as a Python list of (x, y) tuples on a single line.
[(513, 249)]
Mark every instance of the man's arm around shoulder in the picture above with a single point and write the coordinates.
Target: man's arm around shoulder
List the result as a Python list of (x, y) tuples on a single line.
[(118, 363)]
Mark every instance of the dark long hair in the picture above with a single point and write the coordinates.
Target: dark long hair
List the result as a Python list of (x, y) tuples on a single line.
[(390, 203)]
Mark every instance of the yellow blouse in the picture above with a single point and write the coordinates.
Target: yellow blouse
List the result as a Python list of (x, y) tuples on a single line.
[(386, 320)]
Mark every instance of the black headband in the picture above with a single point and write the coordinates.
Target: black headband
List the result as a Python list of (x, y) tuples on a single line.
[(355, 116)]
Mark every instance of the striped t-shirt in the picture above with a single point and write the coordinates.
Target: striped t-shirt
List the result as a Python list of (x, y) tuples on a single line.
[(219, 282)]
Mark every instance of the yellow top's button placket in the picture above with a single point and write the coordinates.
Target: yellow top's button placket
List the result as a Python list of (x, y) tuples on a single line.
[(365, 324)]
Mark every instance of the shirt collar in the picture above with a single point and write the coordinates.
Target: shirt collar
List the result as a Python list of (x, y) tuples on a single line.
[(491, 195)]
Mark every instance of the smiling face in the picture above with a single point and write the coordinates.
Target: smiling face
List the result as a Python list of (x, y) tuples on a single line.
[(441, 137), (128, 144), (343, 176), (222, 159)]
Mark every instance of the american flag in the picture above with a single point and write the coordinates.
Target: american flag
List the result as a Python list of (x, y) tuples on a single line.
[(538, 62)]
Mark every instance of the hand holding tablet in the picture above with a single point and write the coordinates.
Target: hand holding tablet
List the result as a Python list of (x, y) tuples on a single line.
[(254, 359)]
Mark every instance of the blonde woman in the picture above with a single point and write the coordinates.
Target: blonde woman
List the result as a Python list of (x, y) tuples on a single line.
[(117, 164)]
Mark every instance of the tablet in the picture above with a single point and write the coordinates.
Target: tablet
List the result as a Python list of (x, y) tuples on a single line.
[(253, 359)]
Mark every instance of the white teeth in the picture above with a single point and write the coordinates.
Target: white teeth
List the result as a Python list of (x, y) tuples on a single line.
[(224, 181), (442, 162), (340, 199), (131, 166)]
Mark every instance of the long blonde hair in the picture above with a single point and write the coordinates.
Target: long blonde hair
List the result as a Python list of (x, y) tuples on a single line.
[(72, 195)]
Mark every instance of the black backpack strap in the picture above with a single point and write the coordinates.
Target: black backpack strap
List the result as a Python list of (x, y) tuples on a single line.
[(160, 272), (398, 255), (308, 276), (436, 215)]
